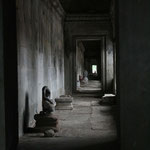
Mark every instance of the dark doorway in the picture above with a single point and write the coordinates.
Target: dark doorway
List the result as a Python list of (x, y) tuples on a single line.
[(88, 65)]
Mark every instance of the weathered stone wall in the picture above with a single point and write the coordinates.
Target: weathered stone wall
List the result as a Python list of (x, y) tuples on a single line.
[(109, 65), (40, 55), (80, 59), (82, 27)]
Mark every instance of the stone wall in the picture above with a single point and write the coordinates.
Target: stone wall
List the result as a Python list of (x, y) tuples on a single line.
[(40, 55), (109, 65), (80, 59)]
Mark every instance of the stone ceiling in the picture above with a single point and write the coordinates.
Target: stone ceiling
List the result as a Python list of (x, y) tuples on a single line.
[(86, 6), (92, 48)]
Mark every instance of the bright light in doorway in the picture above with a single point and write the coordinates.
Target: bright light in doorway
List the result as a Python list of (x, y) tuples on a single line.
[(94, 69)]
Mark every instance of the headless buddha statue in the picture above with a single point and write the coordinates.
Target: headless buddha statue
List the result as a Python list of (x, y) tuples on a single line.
[(48, 104)]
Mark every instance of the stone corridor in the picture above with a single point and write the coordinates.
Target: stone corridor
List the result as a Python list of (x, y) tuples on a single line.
[(87, 126), (57, 43)]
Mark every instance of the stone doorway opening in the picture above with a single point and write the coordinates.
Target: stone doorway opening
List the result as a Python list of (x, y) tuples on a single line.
[(88, 68)]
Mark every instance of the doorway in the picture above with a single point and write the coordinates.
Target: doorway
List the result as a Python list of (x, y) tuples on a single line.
[(89, 65)]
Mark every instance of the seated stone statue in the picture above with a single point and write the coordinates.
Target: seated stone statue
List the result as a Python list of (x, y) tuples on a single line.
[(46, 121), (48, 104)]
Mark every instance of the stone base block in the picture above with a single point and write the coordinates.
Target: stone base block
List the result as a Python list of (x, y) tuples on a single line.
[(108, 99), (64, 107), (46, 122), (64, 103)]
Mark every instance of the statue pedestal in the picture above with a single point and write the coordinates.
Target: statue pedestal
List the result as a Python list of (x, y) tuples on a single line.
[(108, 99), (47, 123), (64, 103)]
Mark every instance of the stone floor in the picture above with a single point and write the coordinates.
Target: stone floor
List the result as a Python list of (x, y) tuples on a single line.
[(92, 85), (87, 126)]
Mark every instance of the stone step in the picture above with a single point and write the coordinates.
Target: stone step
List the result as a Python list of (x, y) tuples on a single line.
[(64, 103)]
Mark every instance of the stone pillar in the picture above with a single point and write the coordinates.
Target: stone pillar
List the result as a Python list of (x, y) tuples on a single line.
[(133, 67), (11, 73)]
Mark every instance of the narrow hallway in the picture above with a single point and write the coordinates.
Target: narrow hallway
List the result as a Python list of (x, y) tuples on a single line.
[(88, 126), (60, 43)]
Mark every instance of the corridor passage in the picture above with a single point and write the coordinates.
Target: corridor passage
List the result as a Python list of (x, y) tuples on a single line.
[(88, 126)]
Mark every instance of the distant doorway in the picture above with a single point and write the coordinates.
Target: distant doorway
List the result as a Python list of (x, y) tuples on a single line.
[(88, 65), (94, 69)]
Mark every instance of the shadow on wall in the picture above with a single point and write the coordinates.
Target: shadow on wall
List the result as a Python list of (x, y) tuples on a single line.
[(26, 114)]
